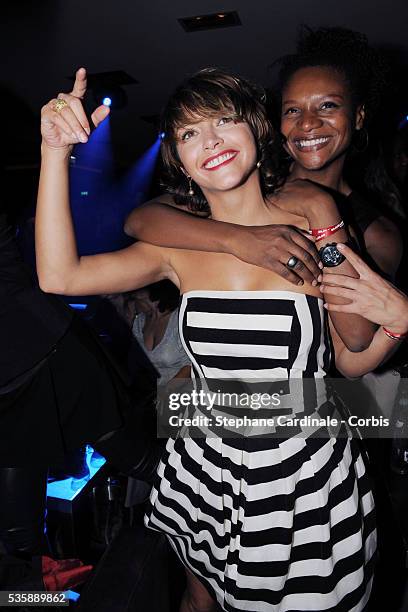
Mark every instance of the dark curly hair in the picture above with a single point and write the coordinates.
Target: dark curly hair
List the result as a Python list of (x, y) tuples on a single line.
[(205, 94), (347, 52)]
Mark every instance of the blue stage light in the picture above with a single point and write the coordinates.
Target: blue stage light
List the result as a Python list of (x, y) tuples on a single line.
[(107, 101), (162, 135)]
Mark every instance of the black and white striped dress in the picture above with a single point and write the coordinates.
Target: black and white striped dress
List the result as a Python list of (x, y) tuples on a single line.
[(266, 524)]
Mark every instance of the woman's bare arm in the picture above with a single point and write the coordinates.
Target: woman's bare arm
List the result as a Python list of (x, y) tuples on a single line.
[(354, 365), (60, 269)]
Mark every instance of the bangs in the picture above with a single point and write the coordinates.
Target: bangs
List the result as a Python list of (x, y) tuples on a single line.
[(201, 100), (194, 110)]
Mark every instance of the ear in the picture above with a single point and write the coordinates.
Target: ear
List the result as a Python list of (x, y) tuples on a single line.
[(360, 116)]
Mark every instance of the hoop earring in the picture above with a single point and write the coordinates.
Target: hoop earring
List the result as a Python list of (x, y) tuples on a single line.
[(190, 186), (363, 138)]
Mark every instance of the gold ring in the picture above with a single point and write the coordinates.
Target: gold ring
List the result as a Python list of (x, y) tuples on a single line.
[(59, 104)]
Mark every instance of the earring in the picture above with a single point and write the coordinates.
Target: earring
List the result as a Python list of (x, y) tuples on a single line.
[(258, 163), (360, 144), (190, 187)]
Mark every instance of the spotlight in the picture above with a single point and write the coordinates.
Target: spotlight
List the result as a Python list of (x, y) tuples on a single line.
[(162, 135), (115, 97), (108, 87)]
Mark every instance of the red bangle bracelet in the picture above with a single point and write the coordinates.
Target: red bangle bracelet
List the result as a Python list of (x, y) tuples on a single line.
[(394, 335), (324, 232)]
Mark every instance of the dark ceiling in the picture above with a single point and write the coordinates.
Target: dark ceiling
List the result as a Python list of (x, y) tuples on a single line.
[(44, 42)]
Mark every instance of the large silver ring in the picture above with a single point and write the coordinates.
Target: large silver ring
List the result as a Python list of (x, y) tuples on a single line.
[(292, 262)]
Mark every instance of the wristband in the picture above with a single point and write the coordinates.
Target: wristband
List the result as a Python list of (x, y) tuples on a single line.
[(324, 232), (394, 335)]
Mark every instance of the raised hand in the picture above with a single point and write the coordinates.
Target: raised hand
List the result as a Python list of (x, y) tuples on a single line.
[(63, 119), (370, 296)]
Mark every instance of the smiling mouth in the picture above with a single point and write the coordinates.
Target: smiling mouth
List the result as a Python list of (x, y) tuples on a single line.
[(220, 160), (311, 143)]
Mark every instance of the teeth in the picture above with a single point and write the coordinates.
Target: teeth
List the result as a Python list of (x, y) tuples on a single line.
[(312, 143), (219, 160)]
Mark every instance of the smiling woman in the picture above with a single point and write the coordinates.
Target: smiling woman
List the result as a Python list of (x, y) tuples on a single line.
[(225, 102), (331, 90), (318, 119)]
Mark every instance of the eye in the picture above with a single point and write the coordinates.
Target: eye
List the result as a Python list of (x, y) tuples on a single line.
[(187, 134), (291, 111), (328, 105), (225, 120)]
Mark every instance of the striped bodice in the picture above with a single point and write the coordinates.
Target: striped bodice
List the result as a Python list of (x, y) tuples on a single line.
[(254, 334)]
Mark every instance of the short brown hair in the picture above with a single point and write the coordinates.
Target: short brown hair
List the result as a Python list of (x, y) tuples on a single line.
[(205, 94)]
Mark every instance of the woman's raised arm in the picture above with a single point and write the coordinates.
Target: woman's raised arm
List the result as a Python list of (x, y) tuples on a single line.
[(60, 269)]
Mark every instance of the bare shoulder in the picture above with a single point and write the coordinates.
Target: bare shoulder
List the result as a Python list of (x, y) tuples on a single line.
[(382, 226), (384, 243)]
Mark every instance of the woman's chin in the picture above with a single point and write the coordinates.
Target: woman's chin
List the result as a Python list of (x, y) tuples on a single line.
[(311, 163)]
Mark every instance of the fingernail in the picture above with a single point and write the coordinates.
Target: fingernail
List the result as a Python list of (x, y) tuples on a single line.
[(340, 246), (320, 278), (88, 130), (314, 282), (321, 265), (322, 287), (82, 137), (300, 283)]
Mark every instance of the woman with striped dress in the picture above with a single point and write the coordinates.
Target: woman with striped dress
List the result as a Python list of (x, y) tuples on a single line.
[(278, 522)]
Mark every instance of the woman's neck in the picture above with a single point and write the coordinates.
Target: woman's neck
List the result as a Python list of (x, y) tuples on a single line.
[(244, 205), (331, 176)]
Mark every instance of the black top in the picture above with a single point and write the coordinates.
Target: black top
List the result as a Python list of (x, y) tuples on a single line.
[(357, 213), (31, 322)]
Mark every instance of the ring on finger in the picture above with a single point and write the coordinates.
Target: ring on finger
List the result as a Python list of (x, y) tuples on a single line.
[(59, 105), (292, 262)]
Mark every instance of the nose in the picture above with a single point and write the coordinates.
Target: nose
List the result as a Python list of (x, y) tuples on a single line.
[(211, 138), (309, 121)]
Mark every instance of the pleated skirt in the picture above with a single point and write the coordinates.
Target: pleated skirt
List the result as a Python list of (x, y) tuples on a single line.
[(270, 525)]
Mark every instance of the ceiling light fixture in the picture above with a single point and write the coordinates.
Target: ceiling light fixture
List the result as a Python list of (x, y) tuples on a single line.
[(210, 22)]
